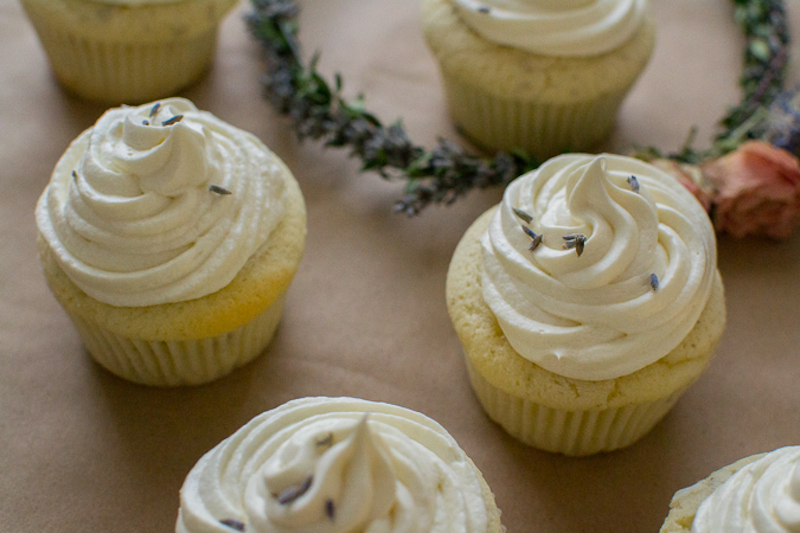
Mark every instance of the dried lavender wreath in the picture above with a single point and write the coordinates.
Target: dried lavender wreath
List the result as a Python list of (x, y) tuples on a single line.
[(443, 174)]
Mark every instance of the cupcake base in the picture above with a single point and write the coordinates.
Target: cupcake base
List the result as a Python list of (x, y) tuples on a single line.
[(183, 362), (129, 54), (115, 72), (542, 128), (552, 412), (194, 341), (568, 432), (504, 98)]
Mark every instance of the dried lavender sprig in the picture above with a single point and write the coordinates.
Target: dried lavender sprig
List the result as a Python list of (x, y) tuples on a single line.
[(447, 172), (318, 111), (576, 240), (233, 524), (536, 238), (173, 120), (522, 215), (294, 492), (222, 191), (634, 184), (330, 509), (766, 55)]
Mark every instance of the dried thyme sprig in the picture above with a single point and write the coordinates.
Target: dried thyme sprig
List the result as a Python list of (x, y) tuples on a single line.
[(318, 111)]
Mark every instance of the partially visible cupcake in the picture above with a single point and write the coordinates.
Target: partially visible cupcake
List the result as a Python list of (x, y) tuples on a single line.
[(760, 493), (127, 51), (337, 465), (547, 76), (586, 302), (170, 238)]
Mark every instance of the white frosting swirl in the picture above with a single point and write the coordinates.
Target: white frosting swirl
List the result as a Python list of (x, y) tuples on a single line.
[(762, 497), (136, 223), (555, 27), (596, 316), (393, 470)]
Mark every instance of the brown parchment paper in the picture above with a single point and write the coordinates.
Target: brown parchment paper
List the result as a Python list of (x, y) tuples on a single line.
[(81, 450)]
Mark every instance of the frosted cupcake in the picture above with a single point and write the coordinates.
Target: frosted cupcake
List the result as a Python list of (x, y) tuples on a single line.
[(547, 76), (586, 302), (760, 493), (127, 51), (170, 238), (337, 465)]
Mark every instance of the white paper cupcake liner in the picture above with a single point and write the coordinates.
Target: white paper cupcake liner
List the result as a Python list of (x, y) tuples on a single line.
[(125, 72), (543, 129), (568, 432), (187, 362)]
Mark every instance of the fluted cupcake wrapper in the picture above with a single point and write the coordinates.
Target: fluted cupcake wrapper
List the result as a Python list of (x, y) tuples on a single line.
[(542, 128), (569, 432), (125, 72), (185, 362)]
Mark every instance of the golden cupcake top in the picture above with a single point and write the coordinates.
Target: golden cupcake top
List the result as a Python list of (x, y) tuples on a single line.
[(597, 266), (160, 203)]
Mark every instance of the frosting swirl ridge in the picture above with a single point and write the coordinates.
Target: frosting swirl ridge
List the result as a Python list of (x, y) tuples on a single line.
[(555, 27), (324, 465), (160, 203), (762, 497), (643, 275)]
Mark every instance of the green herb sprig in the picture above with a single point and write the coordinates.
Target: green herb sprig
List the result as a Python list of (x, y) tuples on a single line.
[(441, 175)]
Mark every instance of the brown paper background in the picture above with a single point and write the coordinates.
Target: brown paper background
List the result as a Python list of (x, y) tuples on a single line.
[(81, 450)]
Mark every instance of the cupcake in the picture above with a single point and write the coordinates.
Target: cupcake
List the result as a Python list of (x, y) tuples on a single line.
[(127, 51), (170, 238), (337, 465), (755, 494), (586, 302), (546, 76)]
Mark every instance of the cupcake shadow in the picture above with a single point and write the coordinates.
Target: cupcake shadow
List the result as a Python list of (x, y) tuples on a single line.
[(623, 489), (157, 434)]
